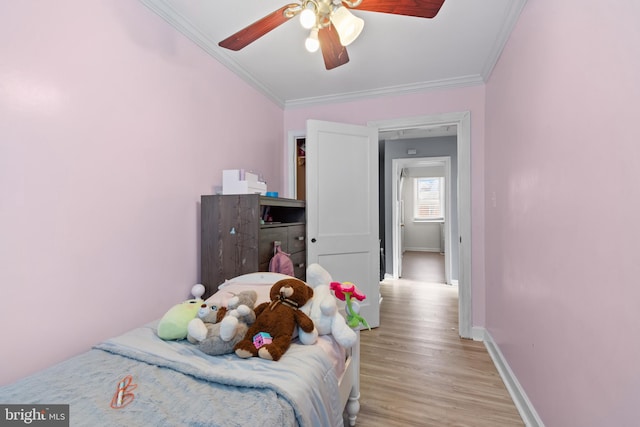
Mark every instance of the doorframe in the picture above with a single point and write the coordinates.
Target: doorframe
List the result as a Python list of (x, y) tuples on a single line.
[(462, 121), (290, 161), (415, 162)]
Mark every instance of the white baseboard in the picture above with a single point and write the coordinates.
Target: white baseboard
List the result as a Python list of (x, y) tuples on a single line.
[(477, 333), (388, 276), (410, 249), (520, 399)]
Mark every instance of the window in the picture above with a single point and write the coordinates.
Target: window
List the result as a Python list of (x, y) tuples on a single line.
[(429, 199)]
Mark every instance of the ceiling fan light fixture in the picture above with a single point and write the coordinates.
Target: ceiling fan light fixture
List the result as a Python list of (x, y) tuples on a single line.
[(308, 16), (347, 25), (312, 44), (335, 26)]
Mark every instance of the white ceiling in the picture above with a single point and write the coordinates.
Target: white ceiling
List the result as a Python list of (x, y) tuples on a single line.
[(394, 54)]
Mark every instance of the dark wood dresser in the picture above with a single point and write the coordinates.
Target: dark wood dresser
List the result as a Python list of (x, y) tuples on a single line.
[(240, 231)]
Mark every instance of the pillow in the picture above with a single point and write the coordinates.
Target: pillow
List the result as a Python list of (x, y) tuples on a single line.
[(228, 289)]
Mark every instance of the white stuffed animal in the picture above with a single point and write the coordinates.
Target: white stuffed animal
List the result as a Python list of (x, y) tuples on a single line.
[(323, 310)]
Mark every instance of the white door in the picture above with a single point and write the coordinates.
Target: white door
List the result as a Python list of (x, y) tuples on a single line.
[(342, 207)]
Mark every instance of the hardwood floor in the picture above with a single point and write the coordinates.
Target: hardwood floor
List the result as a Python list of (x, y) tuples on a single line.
[(417, 371), (423, 267)]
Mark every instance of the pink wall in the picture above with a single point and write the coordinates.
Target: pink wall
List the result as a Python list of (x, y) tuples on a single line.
[(470, 99), (112, 125), (562, 156)]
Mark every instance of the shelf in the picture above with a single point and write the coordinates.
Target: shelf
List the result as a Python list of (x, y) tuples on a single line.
[(279, 224), (279, 201)]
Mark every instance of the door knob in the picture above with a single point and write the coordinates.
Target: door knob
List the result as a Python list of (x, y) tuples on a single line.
[(313, 240)]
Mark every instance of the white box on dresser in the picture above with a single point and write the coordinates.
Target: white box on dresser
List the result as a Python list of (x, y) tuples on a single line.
[(237, 181)]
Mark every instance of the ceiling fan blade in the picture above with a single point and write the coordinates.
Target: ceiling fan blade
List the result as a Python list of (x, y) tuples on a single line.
[(333, 52), (256, 30), (419, 8)]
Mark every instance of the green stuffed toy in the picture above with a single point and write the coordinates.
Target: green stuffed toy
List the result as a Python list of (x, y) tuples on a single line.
[(173, 325)]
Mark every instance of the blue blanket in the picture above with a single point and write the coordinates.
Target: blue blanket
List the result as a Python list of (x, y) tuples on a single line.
[(177, 385)]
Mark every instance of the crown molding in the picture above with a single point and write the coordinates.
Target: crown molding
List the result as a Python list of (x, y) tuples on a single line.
[(390, 90), (184, 26), (512, 13)]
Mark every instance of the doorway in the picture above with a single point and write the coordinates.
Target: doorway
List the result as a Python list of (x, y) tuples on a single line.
[(301, 168), (403, 170), (462, 120)]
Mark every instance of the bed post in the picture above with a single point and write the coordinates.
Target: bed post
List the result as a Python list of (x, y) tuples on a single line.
[(353, 405)]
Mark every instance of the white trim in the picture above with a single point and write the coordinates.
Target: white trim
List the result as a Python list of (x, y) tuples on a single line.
[(520, 399), (477, 333), (398, 246), (433, 250), (513, 13), (451, 83), (463, 122), (290, 162), (181, 23), (192, 32), (397, 209)]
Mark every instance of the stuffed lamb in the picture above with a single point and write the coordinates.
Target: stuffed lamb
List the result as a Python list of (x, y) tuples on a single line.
[(323, 310)]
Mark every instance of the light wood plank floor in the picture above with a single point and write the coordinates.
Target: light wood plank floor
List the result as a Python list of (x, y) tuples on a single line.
[(423, 267), (417, 371)]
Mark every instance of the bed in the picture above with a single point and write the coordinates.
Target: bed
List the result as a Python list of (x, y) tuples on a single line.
[(172, 383)]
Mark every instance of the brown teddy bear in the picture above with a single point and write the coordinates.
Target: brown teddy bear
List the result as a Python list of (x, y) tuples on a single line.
[(270, 335)]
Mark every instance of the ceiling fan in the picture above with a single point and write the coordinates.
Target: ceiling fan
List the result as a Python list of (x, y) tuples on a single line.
[(332, 27)]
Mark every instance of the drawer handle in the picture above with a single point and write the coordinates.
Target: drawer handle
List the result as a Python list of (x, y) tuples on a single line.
[(301, 265), (300, 238)]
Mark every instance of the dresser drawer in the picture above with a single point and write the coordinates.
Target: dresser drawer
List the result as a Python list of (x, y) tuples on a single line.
[(296, 238), (267, 238), (299, 260)]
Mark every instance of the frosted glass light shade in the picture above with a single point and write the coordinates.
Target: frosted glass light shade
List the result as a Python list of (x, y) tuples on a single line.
[(308, 18), (347, 25), (312, 44)]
